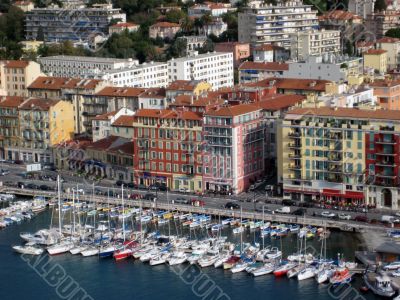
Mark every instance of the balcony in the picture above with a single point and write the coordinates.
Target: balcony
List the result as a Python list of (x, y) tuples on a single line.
[(386, 175), (294, 156), (294, 134), (294, 167), (294, 145), (386, 141)]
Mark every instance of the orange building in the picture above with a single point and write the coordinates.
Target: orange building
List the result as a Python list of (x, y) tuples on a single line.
[(387, 93)]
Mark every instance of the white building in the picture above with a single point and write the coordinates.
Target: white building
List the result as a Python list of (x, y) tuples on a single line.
[(152, 74), (216, 68), (326, 67), (81, 66), (216, 27), (193, 42), (362, 7), (101, 124), (262, 23), (314, 42), (353, 97)]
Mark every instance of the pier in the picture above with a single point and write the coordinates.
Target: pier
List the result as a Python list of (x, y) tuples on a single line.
[(343, 225)]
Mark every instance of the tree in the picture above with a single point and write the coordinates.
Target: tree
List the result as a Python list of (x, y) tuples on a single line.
[(177, 48), (393, 32), (349, 48), (187, 24), (380, 5), (175, 16)]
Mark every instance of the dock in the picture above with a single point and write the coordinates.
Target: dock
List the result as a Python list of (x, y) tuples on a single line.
[(342, 225)]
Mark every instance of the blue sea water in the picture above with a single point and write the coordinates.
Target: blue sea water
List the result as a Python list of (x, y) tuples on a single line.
[(106, 279)]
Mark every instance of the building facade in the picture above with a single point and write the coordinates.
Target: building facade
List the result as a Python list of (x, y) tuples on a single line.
[(233, 155), (216, 68), (269, 24)]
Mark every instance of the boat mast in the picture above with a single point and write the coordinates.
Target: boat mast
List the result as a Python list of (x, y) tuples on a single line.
[(59, 203), (123, 211), (73, 210)]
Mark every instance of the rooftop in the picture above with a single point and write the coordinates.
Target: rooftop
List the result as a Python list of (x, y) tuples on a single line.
[(111, 91), (38, 104), (105, 117), (268, 47), (56, 83), (375, 52), (124, 25), (183, 85), (153, 93), (350, 113), (339, 15), (198, 56), (16, 64), (11, 101), (202, 101), (168, 114), (232, 111), (279, 101), (124, 121), (165, 24), (385, 83), (85, 59), (267, 66)]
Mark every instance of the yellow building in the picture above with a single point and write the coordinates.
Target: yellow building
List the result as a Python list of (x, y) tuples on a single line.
[(187, 87), (43, 124), (376, 59), (31, 45), (340, 156), (17, 75)]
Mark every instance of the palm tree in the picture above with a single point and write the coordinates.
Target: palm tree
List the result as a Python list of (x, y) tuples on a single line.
[(187, 24)]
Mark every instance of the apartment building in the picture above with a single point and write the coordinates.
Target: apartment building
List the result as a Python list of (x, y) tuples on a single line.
[(241, 51), (387, 93), (118, 98), (123, 26), (263, 23), (362, 8), (378, 23), (214, 9), (233, 156), (153, 98), (43, 124), (80, 24), (217, 26), (102, 124), (168, 149), (304, 44), (193, 42), (146, 75), (326, 67), (340, 156), (216, 68), (256, 71), (270, 53), (81, 66), (80, 92), (376, 59), (186, 87), (17, 75), (392, 47), (9, 126)]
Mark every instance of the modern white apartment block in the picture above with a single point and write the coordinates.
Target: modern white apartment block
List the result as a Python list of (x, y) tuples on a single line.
[(81, 66), (216, 68), (314, 42), (362, 7), (264, 23), (71, 23), (146, 75)]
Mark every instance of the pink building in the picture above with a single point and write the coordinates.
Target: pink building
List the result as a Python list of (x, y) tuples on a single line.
[(233, 156), (164, 30), (240, 51)]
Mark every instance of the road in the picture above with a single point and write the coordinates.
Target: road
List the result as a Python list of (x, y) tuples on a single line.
[(250, 201)]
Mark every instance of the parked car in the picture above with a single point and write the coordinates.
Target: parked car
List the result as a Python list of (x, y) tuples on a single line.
[(328, 214), (150, 196), (4, 172), (269, 188), (183, 190), (299, 212), (361, 219), (44, 187), (131, 185), (32, 186), (344, 217), (154, 187), (181, 201), (119, 183), (252, 187), (231, 205), (288, 202), (283, 210)]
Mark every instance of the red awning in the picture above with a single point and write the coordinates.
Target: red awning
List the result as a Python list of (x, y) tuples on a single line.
[(331, 192), (354, 195)]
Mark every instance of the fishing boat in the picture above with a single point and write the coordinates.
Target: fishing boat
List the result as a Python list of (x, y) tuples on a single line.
[(306, 273), (282, 270), (380, 285), (29, 248), (342, 275)]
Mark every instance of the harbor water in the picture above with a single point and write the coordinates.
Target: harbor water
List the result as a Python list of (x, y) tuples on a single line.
[(130, 279)]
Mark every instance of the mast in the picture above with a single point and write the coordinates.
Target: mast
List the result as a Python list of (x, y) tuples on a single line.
[(241, 231), (59, 203), (123, 211), (73, 210)]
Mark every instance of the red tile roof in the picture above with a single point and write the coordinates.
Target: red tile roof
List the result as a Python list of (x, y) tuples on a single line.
[(124, 25), (165, 25), (38, 104), (127, 148), (11, 101), (105, 117), (294, 84), (232, 111), (112, 91), (375, 52), (351, 113), (17, 64), (267, 66), (385, 83), (279, 101), (104, 144), (124, 121), (388, 40), (202, 101), (153, 93), (339, 15), (183, 85), (57, 83), (168, 114), (268, 47)]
